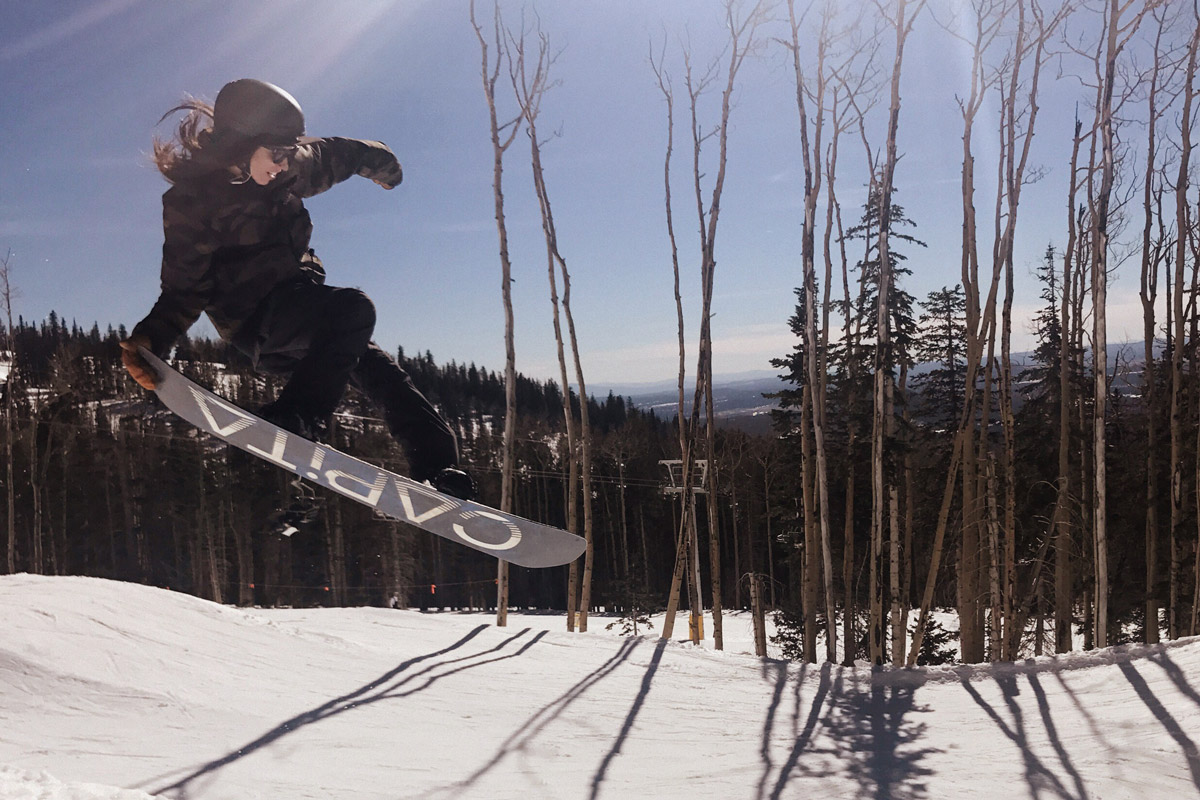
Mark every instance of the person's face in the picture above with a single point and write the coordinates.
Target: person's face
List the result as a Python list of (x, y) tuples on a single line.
[(268, 163)]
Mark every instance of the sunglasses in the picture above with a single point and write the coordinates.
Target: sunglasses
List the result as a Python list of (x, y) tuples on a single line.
[(282, 153)]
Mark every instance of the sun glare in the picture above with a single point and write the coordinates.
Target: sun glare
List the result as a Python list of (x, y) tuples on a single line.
[(304, 46)]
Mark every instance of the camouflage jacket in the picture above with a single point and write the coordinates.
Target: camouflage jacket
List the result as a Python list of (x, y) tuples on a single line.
[(227, 245)]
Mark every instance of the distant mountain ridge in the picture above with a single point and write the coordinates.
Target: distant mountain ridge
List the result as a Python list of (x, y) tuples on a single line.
[(739, 402)]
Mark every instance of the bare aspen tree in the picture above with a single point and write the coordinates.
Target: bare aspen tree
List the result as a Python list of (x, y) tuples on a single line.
[(1010, 171), (850, 343), (1120, 27), (840, 112), (1099, 273), (1183, 225), (1060, 518), (743, 33), (743, 30), (1012, 177), (900, 16), (684, 537), (1193, 401), (855, 345), (854, 95), (980, 505), (40, 455), (704, 374), (1019, 112), (810, 570), (530, 91), (988, 16), (532, 104), (696, 86), (767, 457), (6, 296), (811, 155), (688, 548), (502, 135), (993, 529), (1154, 251), (905, 568)]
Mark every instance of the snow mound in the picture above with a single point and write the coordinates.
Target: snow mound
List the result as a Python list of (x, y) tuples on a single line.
[(20, 785), (106, 684)]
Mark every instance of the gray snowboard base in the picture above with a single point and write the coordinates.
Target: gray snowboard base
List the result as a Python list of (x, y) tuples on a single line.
[(507, 537)]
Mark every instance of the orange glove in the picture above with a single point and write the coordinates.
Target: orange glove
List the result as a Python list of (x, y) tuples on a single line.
[(137, 366)]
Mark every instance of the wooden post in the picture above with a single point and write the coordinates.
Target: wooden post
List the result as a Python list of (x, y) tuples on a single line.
[(756, 611)]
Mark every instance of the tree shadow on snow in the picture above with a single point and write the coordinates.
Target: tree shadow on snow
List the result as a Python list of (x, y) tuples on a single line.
[(780, 669), (802, 736), (537, 724), (630, 718), (1160, 712), (866, 733), (1038, 776), (1176, 674), (392, 685)]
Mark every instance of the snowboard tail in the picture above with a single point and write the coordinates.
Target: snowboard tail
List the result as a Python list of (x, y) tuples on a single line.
[(505, 536)]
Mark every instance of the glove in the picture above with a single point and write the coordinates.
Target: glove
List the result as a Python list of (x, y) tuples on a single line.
[(138, 369), (390, 178)]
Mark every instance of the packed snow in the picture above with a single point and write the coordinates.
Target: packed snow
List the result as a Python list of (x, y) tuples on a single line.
[(119, 691)]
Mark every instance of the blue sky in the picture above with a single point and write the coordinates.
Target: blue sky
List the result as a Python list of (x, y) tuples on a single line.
[(83, 83)]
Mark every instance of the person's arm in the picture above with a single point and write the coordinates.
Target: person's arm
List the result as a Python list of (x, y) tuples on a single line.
[(188, 245), (321, 164)]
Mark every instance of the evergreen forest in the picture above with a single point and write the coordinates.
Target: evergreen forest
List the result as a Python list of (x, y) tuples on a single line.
[(104, 481)]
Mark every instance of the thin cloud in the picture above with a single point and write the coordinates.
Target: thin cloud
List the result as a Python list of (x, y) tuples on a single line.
[(60, 32)]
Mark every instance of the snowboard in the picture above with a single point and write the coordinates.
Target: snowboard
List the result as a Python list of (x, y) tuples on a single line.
[(505, 536)]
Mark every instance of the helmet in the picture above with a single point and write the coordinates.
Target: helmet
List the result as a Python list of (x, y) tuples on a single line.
[(258, 111)]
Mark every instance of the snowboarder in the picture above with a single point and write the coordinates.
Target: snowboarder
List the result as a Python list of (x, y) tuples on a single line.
[(236, 246)]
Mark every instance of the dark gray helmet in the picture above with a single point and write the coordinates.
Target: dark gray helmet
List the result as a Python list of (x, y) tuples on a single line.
[(257, 111)]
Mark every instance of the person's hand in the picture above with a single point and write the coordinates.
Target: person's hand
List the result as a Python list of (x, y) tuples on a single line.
[(391, 177), (138, 369)]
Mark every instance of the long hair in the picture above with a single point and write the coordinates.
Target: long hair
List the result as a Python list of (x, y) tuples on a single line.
[(193, 150)]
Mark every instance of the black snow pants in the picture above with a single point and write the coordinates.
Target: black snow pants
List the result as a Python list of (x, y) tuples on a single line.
[(320, 336)]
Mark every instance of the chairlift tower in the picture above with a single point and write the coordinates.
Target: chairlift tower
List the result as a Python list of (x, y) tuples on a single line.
[(693, 484)]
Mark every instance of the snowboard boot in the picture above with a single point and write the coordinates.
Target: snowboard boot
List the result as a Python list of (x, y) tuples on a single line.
[(299, 511), (456, 483)]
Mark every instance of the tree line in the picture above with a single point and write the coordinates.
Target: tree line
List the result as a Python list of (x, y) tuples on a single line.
[(105, 481)]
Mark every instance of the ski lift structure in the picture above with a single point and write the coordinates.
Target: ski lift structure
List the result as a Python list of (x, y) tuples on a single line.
[(675, 480)]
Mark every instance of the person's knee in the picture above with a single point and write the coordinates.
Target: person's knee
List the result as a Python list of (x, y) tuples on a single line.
[(358, 306), (350, 310)]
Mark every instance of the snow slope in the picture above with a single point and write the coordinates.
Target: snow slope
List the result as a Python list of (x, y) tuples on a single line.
[(112, 690)]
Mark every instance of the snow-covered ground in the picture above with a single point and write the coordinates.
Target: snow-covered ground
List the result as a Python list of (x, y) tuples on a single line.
[(118, 691)]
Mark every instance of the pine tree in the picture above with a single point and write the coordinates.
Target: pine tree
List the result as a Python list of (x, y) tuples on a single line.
[(942, 343), (935, 645), (903, 330)]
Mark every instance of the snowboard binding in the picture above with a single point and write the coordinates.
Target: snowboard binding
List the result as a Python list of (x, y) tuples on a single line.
[(301, 510)]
